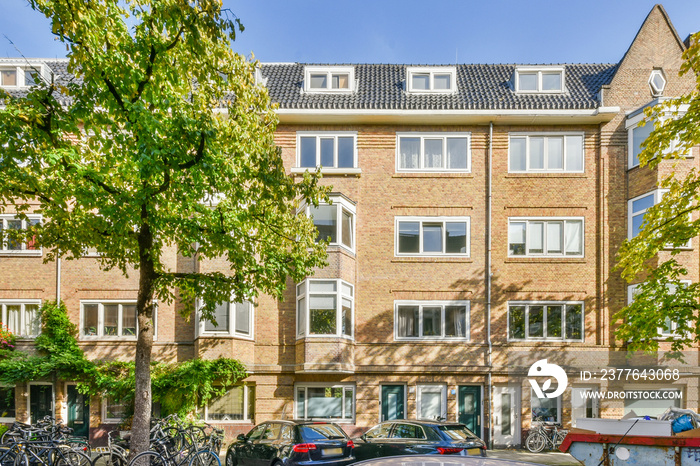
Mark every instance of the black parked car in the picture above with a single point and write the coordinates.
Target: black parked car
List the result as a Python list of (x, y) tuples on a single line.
[(402, 437), (291, 443)]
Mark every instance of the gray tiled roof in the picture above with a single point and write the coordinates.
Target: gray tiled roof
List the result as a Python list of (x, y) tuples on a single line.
[(61, 76), (479, 87)]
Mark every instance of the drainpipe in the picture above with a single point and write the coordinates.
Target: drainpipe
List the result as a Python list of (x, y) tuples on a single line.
[(488, 284), (58, 281)]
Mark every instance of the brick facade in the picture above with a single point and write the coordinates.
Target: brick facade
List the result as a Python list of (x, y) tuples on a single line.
[(280, 362)]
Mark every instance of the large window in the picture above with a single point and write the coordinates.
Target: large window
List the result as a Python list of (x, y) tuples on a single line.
[(533, 80), (431, 80), (638, 130), (669, 329), (431, 401), (238, 404), (545, 237), (7, 404), (21, 317), (335, 222), (539, 152), (432, 236), (321, 401), (637, 207), (230, 318), (545, 321), (108, 319), (432, 320), (327, 150), (325, 308), (584, 404), (113, 410), (545, 409), (434, 152), (12, 246), (329, 79)]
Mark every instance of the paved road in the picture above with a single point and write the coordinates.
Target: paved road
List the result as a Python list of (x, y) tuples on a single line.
[(550, 458)]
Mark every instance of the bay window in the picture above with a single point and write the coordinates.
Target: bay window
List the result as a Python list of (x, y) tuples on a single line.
[(230, 318), (335, 222), (325, 308)]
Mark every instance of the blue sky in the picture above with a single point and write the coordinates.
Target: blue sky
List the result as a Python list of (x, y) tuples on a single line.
[(408, 31)]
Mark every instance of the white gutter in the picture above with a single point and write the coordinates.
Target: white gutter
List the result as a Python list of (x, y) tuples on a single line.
[(489, 200)]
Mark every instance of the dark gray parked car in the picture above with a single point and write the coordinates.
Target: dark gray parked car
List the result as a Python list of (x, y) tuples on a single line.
[(291, 443), (402, 437)]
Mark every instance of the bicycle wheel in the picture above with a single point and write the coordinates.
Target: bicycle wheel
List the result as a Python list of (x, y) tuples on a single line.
[(72, 458), (148, 458), (536, 442), (108, 459), (10, 457), (205, 458), (561, 435)]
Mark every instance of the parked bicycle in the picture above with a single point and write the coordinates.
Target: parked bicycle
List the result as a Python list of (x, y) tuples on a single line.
[(544, 435)]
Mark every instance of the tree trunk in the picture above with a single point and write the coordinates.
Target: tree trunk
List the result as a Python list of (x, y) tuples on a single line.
[(141, 426)]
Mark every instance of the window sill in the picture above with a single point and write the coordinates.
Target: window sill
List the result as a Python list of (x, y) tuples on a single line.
[(432, 259), (445, 174), (226, 336), (328, 171), (21, 253), (230, 422), (539, 341), (85, 338), (544, 174), (326, 337), (565, 260), (432, 340)]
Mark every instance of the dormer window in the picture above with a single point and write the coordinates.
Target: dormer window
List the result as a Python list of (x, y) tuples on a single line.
[(431, 80), (329, 79), (657, 83), (539, 80), (17, 76)]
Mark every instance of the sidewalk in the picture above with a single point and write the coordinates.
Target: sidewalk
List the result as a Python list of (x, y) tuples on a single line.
[(550, 457)]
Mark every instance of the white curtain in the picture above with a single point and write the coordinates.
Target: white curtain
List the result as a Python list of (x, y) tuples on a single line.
[(573, 238), (409, 149)]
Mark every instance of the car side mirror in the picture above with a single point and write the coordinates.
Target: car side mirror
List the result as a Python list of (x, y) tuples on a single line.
[(241, 437)]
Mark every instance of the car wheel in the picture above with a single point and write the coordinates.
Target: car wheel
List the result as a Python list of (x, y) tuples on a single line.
[(230, 460), (277, 463)]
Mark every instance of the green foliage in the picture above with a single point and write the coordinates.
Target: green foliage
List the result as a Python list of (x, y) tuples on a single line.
[(664, 293), (7, 340)]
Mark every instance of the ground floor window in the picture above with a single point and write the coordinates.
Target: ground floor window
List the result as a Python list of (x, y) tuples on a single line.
[(7, 403), (113, 410), (325, 402), (652, 402), (238, 404), (584, 405), (545, 409), (431, 401)]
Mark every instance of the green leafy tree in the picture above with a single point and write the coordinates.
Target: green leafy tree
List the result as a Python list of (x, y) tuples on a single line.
[(161, 116), (664, 298)]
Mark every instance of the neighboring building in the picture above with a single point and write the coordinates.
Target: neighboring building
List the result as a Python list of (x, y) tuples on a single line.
[(477, 211)]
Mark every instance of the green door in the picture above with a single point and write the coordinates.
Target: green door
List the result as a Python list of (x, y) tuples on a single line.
[(469, 406), (393, 402), (40, 402), (78, 412)]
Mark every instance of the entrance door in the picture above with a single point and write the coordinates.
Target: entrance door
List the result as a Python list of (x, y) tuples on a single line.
[(469, 407), (40, 401), (506, 415), (78, 411), (393, 402)]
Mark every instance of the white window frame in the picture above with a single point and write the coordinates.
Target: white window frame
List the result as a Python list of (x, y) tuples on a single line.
[(345, 419), (302, 315), (595, 402), (631, 291), (564, 304), (655, 91), (421, 305), (636, 117), (11, 387), (433, 135), (3, 240), (658, 195), (247, 415), (231, 321), (539, 70), (533, 396), (21, 69), (441, 388), (431, 71), (105, 419), (546, 136), (421, 221), (100, 320), (326, 135), (545, 220), (23, 314), (329, 71), (343, 204)]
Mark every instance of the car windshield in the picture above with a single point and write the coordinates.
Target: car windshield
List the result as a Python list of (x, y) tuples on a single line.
[(315, 432), (457, 432)]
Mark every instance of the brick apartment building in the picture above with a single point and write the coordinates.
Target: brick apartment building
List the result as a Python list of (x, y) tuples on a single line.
[(477, 213)]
